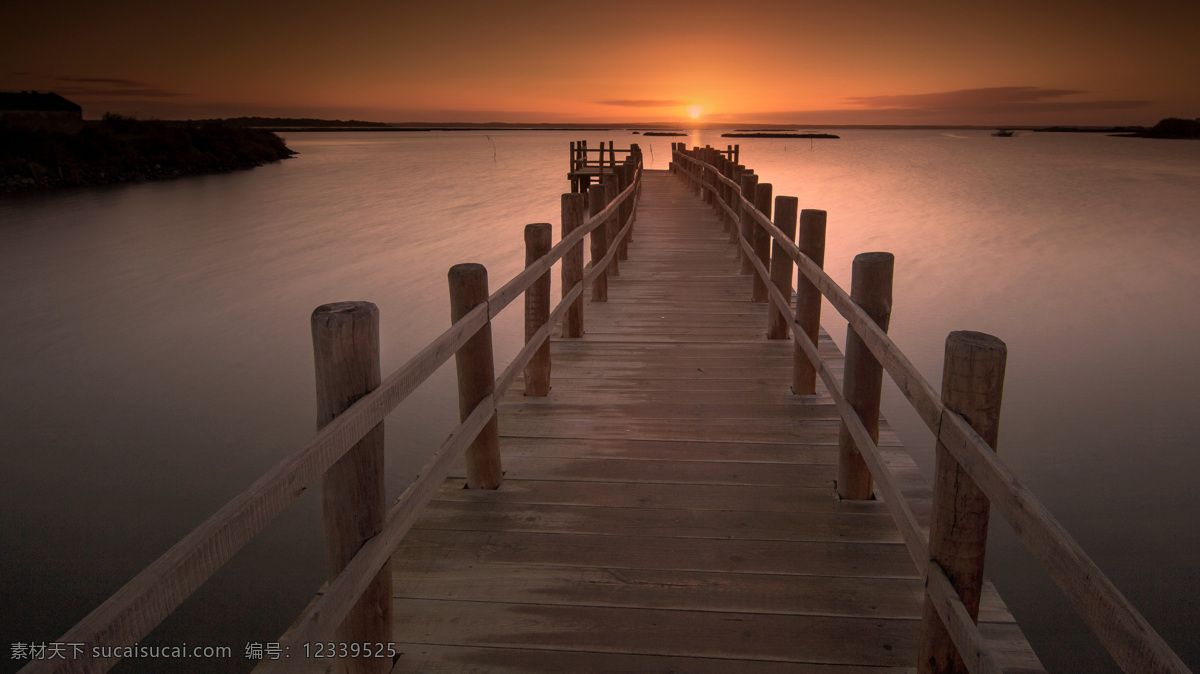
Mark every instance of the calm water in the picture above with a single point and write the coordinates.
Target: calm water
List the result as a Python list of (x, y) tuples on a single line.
[(156, 355)]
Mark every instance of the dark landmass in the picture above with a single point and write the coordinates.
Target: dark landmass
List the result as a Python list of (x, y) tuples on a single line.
[(1089, 129), (292, 122), (769, 134), (119, 150), (662, 133), (1172, 127)]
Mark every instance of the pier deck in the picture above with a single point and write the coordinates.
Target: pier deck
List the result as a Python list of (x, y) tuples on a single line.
[(670, 506)]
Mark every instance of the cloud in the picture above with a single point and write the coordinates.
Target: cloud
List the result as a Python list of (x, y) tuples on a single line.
[(991, 99), (643, 103), (112, 86)]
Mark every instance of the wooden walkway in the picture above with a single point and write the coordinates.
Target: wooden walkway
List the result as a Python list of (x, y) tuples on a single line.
[(670, 506)]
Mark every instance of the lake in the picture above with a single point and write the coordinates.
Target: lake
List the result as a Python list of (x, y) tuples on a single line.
[(157, 356)]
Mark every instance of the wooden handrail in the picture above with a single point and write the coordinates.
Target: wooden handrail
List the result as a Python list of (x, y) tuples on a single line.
[(1130, 639), (140, 605)]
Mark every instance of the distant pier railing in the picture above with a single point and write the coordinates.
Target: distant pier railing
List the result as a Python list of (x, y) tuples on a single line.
[(969, 478), (346, 456)]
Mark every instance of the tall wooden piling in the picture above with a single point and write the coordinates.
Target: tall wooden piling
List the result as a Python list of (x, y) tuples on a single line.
[(781, 264), (749, 182), (871, 289), (612, 187), (476, 375), (599, 241), (808, 299), (346, 354), (760, 239), (972, 386), (625, 173), (572, 264), (537, 309)]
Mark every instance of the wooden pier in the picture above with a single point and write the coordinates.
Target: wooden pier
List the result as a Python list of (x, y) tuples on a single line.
[(679, 472), (670, 504)]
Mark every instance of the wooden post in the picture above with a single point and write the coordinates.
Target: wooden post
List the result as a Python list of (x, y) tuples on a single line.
[(749, 184), (706, 178), (625, 174), (346, 354), (596, 203), (571, 171), (781, 264), (761, 240), (476, 375), (572, 264), (808, 300), (972, 386), (871, 289), (732, 225), (537, 309), (612, 187)]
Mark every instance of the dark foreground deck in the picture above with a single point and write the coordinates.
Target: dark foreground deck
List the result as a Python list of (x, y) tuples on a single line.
[(670, 506)]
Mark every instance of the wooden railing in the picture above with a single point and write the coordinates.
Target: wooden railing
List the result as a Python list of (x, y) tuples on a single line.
[(964, 418), (347, 450)]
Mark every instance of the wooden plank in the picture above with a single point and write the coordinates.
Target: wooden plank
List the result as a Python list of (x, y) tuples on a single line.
[(789, 638), (862, 560), (669, 589), (441, 659)]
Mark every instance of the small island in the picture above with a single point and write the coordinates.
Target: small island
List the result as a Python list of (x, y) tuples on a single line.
[(662, 133), (1171, 127), (776, 134), (120, 149)]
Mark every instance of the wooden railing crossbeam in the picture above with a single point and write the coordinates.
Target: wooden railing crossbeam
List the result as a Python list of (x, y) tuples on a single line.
[(343, 592), (963, 631), (1129, 638)]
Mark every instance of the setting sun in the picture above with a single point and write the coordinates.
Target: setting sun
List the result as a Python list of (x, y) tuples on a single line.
[(695, 111)]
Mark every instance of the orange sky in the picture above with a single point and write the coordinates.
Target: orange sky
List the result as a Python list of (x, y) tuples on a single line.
[(846, 62)]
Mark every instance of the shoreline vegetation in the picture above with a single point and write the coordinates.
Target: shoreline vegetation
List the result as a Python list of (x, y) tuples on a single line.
[(119, 149)]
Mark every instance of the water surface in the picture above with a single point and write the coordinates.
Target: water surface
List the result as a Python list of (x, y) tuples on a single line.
[(157, 357)]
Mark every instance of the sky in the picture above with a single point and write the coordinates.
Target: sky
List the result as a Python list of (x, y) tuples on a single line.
[(652, 61)]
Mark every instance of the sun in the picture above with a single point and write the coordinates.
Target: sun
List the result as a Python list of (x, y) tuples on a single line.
[(695, 111)]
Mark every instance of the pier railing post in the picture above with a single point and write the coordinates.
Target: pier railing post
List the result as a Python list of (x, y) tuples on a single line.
[(734, 222), (599, 241), (749, 182), (972, 386), (612, 187), (572, 264), (626, 173), (808, 300), (871, 289), (706, 178), (760, 240), (476, 374), (537, 309), (781, 264), (346, 354)]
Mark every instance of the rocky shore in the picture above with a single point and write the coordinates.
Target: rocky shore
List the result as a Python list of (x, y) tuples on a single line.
[(121, 150)]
